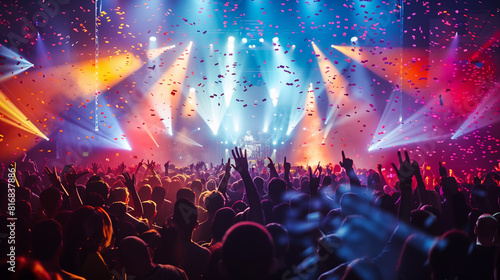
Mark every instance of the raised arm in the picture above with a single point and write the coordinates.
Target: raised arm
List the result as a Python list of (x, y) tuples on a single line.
[(347, 163), (241, 165), (287, 166), (225, 180), (272, 169), (422, 192), (405, 175), (71, 177), (381, 174), (130, 184), (55, 180), (314, 181)]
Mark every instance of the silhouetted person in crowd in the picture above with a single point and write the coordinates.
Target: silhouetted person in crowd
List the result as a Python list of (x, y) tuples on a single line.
[(248, 252), (194, 258), (88, 234), (482, 257), (135, 256), (47, 244), (449, 257), (213, 202)]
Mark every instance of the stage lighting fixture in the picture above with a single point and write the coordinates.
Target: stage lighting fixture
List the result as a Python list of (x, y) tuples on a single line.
[(274, 150), (152, 38), (261, 40), (275, 40), (244, 40), (199, 128), (231, 39), (211, 45), (191, 90), (274, 143), (354, 39), (293, 46)]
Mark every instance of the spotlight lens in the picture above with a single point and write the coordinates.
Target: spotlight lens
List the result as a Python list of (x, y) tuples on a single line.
[(261, 40), (244, 40), (354, 39), (152, 38), (230, 39), (275, 40), (293, 46)]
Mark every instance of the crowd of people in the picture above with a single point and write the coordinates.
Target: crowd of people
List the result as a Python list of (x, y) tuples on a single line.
[(235, 221)]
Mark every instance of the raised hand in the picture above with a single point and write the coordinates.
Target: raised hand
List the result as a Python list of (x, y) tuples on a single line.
[(272, 169), (129, 181), (228, 166), (416, 169), (95, 167), (314, 181), (405, 170), (255, 213), (72, 176), (271, 163), (130, 184), (347, 163), (141, 163), (442, 171), (151, 165), (224, 182), (286, 165), (240, 160), (53, 177), (318, 168)]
